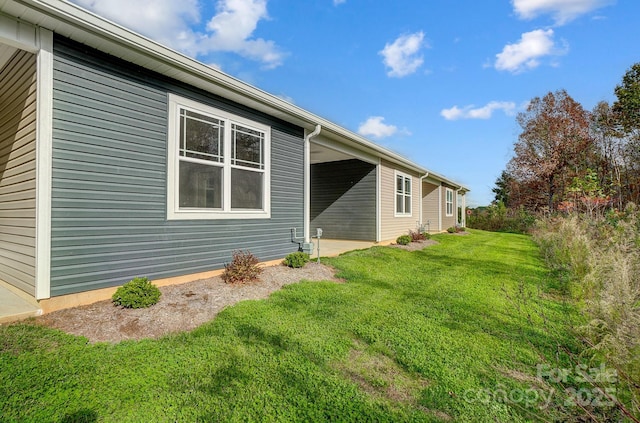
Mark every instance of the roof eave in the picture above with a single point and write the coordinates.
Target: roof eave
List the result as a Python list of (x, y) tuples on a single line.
[(83, 26)]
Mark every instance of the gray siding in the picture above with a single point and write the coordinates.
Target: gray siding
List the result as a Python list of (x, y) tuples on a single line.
[(343, 200), (18, 171), (109, 180)]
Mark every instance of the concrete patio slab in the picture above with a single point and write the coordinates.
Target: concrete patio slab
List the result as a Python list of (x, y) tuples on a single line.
[(14, 307), (335, 247)]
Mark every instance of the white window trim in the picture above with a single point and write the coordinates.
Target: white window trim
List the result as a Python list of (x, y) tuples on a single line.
[(173, 208), (395, 194), (446, 202)]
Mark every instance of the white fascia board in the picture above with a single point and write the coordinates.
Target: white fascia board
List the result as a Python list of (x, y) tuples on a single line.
[(345, 149), (18, 34), (437, 179), (432, 181)]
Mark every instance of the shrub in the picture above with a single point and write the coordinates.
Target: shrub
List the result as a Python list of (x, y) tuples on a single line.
[(417, 236), (137, 293), (297, 259), (403, 239), (498, 218), (451, 230), (598, 259), (243, 268), (565, 247)]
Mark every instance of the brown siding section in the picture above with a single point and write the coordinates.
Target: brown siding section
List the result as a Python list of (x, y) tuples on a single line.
[(392, 226), (430, 205), (18, 171)]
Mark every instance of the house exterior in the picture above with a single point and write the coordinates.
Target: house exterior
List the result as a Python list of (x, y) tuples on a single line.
[(120, 158)]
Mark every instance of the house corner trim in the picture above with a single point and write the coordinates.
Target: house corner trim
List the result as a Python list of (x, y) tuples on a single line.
[(44, 144)]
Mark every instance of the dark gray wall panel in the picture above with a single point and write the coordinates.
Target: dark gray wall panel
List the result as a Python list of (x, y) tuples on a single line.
[(343, 200), (109, 180)]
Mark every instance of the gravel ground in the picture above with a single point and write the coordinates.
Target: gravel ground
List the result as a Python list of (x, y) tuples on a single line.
[(185, 306), (181, 307)]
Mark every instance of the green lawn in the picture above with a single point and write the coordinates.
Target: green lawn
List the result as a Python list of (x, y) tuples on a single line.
[(410, 336)]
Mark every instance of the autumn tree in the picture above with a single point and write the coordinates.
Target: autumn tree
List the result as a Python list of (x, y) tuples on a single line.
[(553, 147)]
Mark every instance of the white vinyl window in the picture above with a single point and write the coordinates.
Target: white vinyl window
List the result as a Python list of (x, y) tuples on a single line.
[(403, 194), (218, 165), (449, 202)]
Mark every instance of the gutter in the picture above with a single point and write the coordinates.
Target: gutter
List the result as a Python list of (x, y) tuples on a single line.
[(68, 17), (307, 184)]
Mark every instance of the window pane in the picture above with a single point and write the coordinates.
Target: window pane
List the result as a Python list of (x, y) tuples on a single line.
[(200, 185), (246, 189), (407, 186), (407, 204), (247, 147), (399, 180), (399, 203), (201, 137)]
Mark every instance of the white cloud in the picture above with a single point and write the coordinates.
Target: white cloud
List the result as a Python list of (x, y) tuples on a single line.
[(484, 112), (338, 2), (166, 21), (170, 23), (233, 26), (402, 56), (526, 53), (562, 11), (374, 127)]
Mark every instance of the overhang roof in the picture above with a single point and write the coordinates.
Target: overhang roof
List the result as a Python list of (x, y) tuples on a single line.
[(76, 23)]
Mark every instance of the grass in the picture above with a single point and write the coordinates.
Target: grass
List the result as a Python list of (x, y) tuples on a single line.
[(410, 336)]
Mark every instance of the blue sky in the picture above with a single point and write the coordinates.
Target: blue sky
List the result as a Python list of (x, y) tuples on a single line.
[(437, 81)]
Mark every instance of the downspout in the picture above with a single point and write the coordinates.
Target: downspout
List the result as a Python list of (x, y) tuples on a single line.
[(420, 222), (307, 184), (464, 208), (440, 207)]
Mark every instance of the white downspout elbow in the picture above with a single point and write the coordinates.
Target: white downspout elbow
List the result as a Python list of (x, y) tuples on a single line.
[(307, 183)]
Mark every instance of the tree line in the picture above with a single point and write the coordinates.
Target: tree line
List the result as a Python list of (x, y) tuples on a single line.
[(570, 159)]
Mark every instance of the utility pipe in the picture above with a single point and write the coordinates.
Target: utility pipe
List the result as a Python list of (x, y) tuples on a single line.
[(307, 183)]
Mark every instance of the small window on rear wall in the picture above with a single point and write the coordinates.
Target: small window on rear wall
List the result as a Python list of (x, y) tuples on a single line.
[(403, 194), (449, 202), (218, 164)]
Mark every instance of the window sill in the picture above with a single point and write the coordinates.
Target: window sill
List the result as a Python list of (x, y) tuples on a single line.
[(217, 215), (403, 215)]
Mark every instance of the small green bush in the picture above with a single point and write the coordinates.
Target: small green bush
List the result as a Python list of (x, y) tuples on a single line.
[(137, 293), (403, 239), (451, 230), (243, 268), (297, 259)]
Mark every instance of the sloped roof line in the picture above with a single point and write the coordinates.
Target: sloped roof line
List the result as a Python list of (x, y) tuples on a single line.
[(88, 28)]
